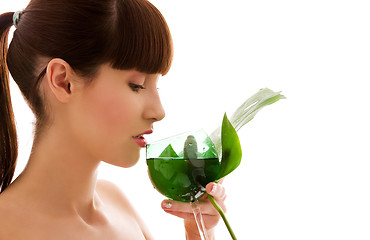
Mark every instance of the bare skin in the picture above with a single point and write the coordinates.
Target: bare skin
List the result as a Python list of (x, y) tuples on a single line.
[(58, 195), (112, 217)]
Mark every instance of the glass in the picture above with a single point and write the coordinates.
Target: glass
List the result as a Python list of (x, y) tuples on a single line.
[(181, 166)]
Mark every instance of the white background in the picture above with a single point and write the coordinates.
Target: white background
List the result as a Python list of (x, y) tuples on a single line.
[(305, 173)]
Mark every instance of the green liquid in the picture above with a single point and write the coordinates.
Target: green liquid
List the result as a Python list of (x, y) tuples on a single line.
[(181, 179)]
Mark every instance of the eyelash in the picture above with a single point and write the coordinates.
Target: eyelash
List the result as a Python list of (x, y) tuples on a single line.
[(136, 87)]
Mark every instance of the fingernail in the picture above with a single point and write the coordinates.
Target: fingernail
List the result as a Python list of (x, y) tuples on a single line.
[(213, 190), (167, 205)]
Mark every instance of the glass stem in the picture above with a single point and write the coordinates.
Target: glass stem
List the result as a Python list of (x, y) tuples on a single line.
[(199, 219), (222, 214)]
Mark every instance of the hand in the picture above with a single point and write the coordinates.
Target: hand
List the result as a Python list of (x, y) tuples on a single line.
[(209, 213)]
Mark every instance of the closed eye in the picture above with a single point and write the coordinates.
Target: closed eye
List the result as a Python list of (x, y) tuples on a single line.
[(136, 87)]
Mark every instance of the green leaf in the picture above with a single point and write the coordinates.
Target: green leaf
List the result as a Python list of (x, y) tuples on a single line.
[(231, 149), (168, 152), (253, 105), (247, 111)]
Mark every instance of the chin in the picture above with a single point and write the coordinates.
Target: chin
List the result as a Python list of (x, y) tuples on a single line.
[(129, 164), (126, 161)]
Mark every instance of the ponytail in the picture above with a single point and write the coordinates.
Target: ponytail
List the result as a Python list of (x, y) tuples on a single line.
[(8, 134)]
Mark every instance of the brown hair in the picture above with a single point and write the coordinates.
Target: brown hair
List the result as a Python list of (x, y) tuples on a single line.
[(127, 34)]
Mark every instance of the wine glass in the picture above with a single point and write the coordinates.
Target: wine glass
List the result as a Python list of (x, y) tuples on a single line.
[(181, 166)]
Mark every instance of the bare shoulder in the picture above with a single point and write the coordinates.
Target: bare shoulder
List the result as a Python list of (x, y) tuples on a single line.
[(110, 193)]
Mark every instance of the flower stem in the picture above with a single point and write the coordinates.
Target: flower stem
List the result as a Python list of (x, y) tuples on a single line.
[(222, 214)]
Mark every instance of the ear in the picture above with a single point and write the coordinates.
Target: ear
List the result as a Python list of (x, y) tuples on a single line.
[(58, 76)]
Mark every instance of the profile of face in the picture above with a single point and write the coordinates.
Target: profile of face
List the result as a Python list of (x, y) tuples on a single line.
[(107, 116), (102, 109)]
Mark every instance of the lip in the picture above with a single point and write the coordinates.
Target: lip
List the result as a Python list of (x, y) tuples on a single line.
[(140, 140), (150, 131)]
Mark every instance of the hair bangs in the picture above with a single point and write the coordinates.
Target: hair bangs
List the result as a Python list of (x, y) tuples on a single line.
[(141, 38)]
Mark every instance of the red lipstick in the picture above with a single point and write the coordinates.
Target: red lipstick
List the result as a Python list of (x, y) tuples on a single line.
[(140, 140)]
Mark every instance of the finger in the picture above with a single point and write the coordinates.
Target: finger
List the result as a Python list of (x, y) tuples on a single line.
[(185, 216), (181, 207), (175, 206), (217, 191), (210, 220)]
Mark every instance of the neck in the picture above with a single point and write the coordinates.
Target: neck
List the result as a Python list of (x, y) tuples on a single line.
[(60, 175)]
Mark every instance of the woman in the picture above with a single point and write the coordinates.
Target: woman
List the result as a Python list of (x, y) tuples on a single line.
[(88, 70)]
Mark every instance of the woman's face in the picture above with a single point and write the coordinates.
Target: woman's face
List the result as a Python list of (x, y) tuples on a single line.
[(113, 111)]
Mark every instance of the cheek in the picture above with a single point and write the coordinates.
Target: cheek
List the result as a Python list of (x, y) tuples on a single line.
[(115, 120), (111, 112), (105, 121)]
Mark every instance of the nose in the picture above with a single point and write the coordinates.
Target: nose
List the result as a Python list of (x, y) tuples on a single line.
[(154, 110)]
